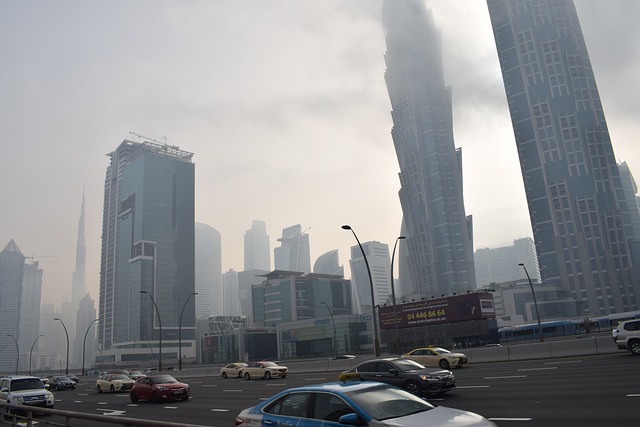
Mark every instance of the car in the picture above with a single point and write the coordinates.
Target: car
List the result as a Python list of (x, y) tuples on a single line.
[(114, 383), (266, 370), (627, 336), (344, 356), (158, 388), (353, 403), (436, 356), (74, 378), (404, 373), (134, 375), (232, 370), (61, 382), (25, 390)]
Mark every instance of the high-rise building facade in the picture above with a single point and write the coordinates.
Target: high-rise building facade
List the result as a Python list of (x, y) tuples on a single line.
[(30, 306), (230, 295), (84, 342), (147, 266), (79, 286), (580, 220), (380, 266), (329, 263), (11, 274), (293, 254), (208, 271), (257, 254), (439, 235), (501, 264)]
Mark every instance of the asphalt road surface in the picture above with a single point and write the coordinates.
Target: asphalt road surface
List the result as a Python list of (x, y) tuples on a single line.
[(596, 391)]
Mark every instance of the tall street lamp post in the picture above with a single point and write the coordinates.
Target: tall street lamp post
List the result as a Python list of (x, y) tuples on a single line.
[(334, 344), (376, 342), (535, 302), (67, 334), (180, 330), (17, 351), (31, 351), (84, 342), (160, 328), (393, 295)]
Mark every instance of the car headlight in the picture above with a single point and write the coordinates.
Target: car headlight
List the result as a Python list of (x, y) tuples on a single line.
[(48, 394), (18, 399), (163, 388), (428, 378)]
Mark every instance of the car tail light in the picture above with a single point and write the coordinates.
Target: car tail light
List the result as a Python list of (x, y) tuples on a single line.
[(239, 421)]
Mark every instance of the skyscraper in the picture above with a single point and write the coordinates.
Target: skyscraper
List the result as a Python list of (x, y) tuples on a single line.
[(208, 271), (256, 247), (11, 274), (439, 235), (580, 220), (293, 253), (85, 339), (30, 306), (147, 246), (230, 293), (379, 263), (79, 286), (328, 263)]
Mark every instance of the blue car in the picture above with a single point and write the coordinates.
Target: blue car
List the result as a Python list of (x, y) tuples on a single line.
[(353, 403)]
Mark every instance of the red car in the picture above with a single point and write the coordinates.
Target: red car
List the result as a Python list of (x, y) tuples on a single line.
[(158, 388)]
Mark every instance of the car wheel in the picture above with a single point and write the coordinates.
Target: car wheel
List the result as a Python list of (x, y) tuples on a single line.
[(267, 375), (413, 388), (444, 364), (634, 347), (247, 376), (155, 398), (185, 398), (224, 375), (98, 389), (112, 389), (133, 397)]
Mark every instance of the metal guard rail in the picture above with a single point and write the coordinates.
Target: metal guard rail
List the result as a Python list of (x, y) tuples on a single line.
[(27, 415)]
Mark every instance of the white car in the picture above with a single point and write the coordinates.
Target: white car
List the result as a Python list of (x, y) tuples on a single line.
[(266, 370), (232, 370), (25, 390), (114, 383)]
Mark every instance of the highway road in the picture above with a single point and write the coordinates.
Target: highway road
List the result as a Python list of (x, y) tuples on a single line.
[(600, 390)]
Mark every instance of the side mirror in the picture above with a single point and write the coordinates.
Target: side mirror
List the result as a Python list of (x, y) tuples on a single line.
[(351, 419), (393, 371)]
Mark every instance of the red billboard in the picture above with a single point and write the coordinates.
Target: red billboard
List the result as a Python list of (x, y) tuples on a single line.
[(439, 310)]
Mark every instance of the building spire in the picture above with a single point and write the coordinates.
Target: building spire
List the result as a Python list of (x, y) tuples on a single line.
[(78, 286)]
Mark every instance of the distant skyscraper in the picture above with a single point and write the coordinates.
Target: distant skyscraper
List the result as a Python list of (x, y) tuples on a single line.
[(11, 274), (630, 190), (439, 235), (30, 307), (231, 300), (380, 265), (256, 247), (246, 281), (579, 216), (79, 286), (147, 245), (86, 327), (500, 265), (293, 253), (208, 271), (328, 263)]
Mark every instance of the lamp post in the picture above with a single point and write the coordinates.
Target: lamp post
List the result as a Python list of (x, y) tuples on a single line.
[(67, 334), (160, 327), (31, 351), (84, 342), (17, 351), (376, 342), (335, 342), (535, 302), (393, 294), (180, 330)]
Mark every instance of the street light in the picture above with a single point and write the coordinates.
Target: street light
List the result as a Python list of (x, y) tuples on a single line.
[(335, 342), (84, 342), (535, 302), (17, 351), (393, 295), (376, 342), (31, 351), (180, 330), (160, 327), (67, 334)]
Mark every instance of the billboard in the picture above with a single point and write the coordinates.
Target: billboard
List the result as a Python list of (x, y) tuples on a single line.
[(439, 310)]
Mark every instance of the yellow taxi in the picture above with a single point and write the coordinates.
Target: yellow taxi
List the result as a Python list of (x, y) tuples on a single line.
[(436, 356)]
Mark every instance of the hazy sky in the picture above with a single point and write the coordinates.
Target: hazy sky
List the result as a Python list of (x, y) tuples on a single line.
[(283, 103)]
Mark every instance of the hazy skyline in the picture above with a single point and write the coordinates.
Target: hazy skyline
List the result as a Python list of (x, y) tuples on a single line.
[(284, 105)]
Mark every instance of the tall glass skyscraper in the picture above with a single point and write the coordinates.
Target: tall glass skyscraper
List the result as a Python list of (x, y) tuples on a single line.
[(439, 235), (580, 220), (147, 245), (11, 276)]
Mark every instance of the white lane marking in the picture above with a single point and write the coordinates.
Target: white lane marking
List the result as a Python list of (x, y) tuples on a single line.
[(83, 394), (510, 419), (315, 379), (103, 403), (226, 391), (219, 410), (563, 362), (633, 395), (538, 369), (276, 384), (77, 401), (210, 385), (133, 405), (111, 411), (170, 407), (472, 386), (505, 377)]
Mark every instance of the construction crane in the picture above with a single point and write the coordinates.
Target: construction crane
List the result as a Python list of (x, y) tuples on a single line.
[(150, 139)]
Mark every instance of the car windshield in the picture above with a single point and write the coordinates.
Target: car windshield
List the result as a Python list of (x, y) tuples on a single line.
[(119, 377), (163, 379), (135, 373), (386, 402), (268, 364), (441, 350), (62, 379), (405, 365), (26, 384)]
